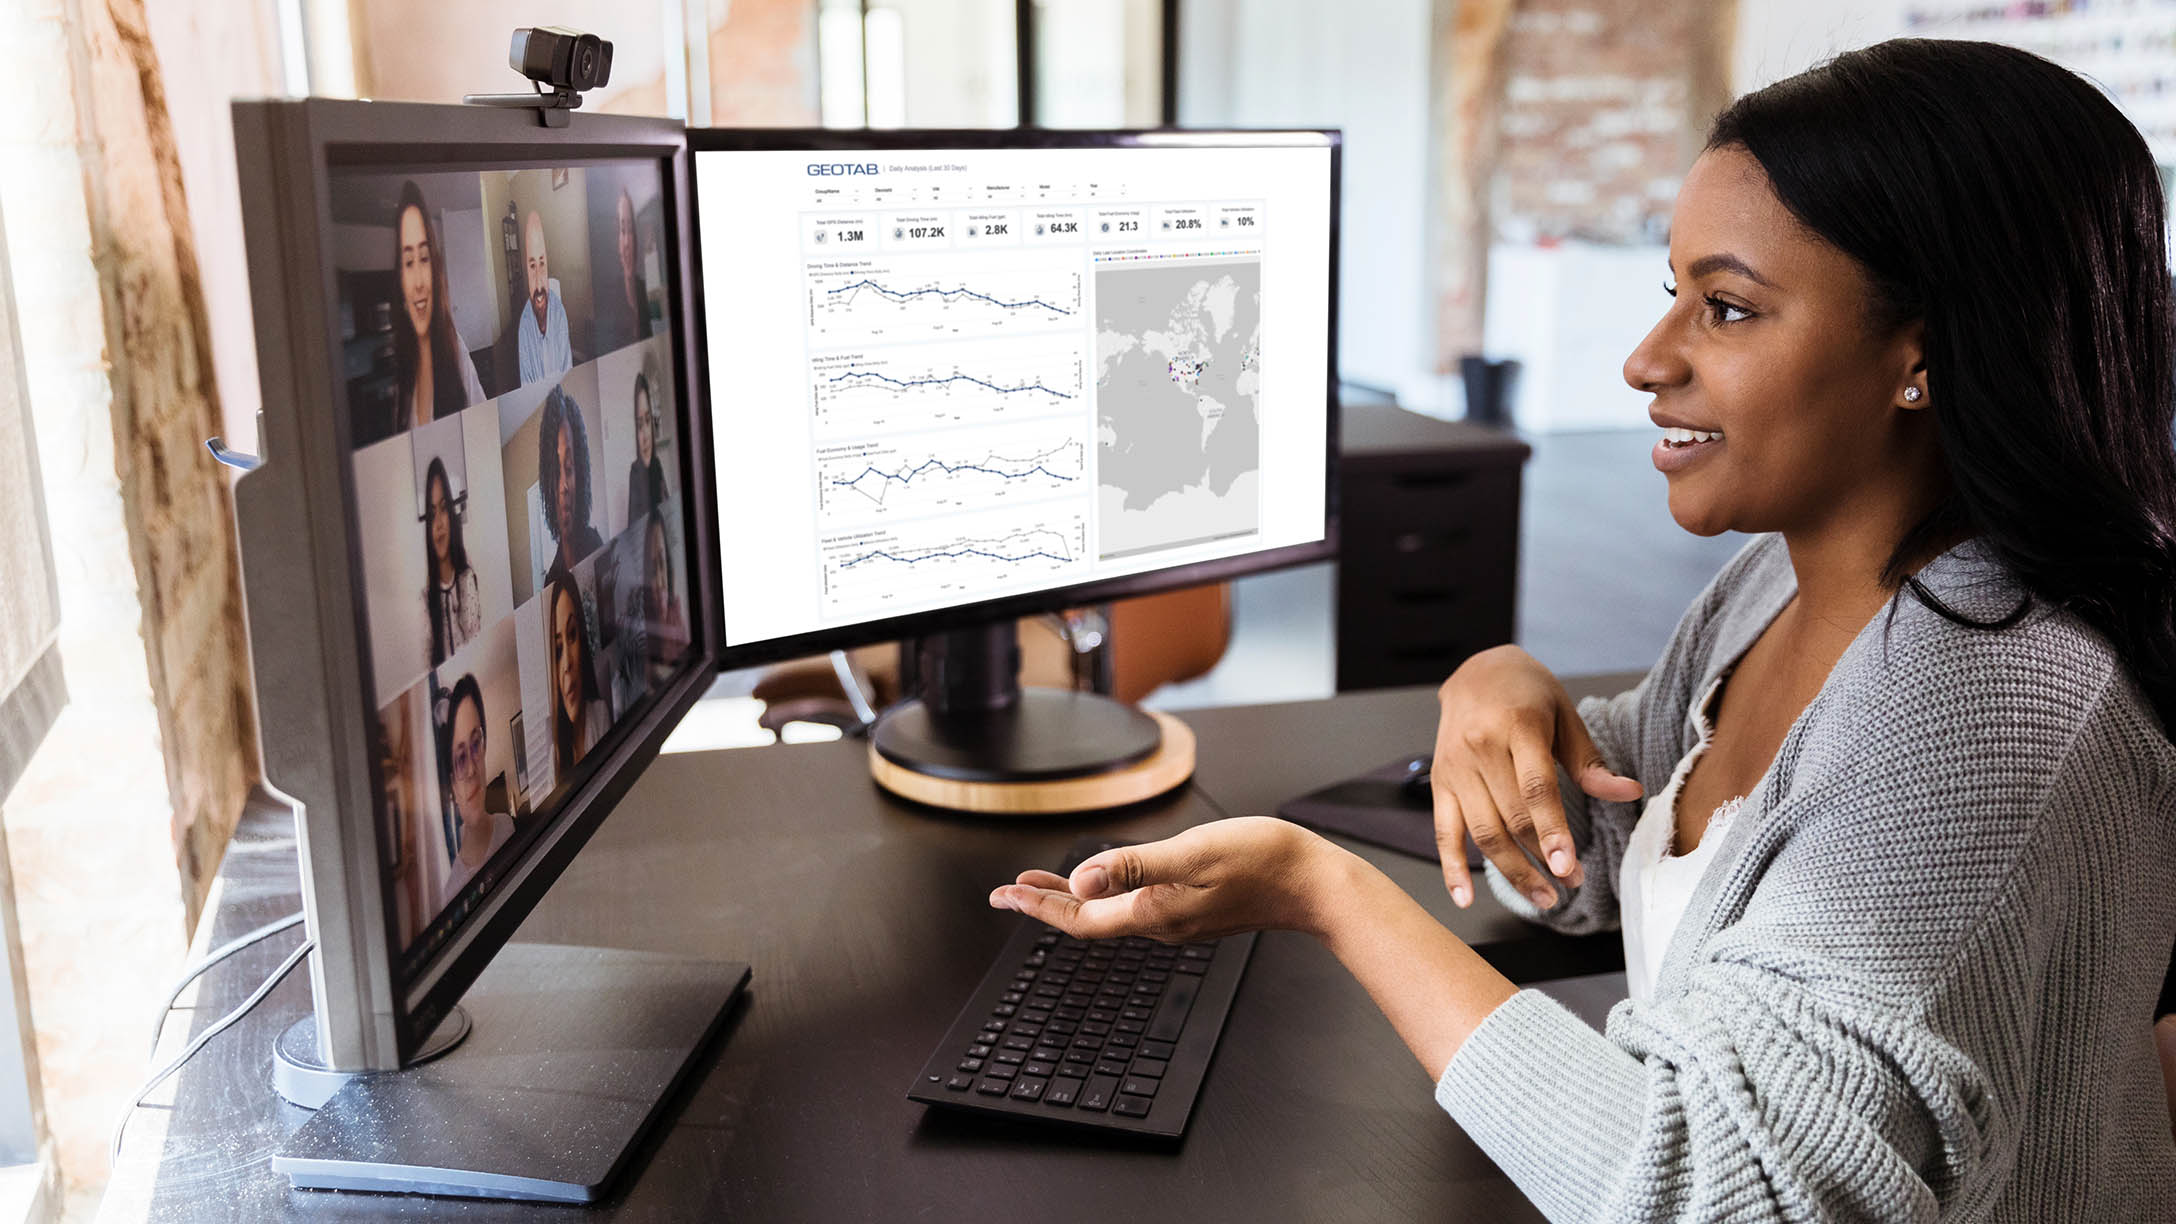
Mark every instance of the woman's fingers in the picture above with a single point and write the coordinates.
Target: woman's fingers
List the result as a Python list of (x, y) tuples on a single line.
[(1099, 918), (1536, 774), (1489, 822), (1575, 748), (1451, 841), (1041, 879)]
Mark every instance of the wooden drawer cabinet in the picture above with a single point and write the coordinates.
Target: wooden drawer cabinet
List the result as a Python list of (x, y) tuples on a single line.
[(1428, 562)]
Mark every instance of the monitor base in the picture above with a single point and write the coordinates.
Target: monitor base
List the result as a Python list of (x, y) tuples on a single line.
[(571, 1057), (1169, 764), (301, 1076)]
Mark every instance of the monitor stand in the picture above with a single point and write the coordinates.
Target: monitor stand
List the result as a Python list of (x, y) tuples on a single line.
[(567, 1060), (974, 740)]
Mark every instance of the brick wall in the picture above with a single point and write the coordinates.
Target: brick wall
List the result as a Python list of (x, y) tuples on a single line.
[(1568, 120)]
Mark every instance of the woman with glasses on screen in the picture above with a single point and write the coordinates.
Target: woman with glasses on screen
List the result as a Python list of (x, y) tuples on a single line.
[(579, 715), (451, 601), (1920, 343), (475, 831), (646, 475), (436, 376)]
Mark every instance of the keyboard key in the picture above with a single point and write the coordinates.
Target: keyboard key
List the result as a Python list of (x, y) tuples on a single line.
[(1040, 1068), (1011, 1058), (1121, 1041), (1135, 1013), (970, 1064), (1171, 1016), (1060, 1028), (1096, 1093), (979, 1050), (993, 1087), (1034, 1015), (1193, 968), (1086, 1058), (1027, 1089), (1095, 1028), (1152, 1068), (1012, 996), (1157, 1049), (1131, 1106), (960, 1083), (1135, 1085), (1003, 1010), (1062, 1091), (1130, 1027), (1013, 1041), (1071, 1015), (1111, 1067), (999, 1071)]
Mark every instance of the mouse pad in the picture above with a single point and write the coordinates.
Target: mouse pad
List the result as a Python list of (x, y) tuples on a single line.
[(1376, 809)]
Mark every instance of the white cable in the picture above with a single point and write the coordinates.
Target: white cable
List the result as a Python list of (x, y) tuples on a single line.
[(218, 1026), (197, 970), (843, 667)]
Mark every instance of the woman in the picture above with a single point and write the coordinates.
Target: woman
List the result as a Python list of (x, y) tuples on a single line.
[(562, 464), (1921, 341), (477, 833), (446, 382), (579, 716), (451, 602), (646, 475), (665, 624)]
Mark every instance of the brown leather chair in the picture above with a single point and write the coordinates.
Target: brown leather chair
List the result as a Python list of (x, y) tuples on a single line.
[(1136, 647)]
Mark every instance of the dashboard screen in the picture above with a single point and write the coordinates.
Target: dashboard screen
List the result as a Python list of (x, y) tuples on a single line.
[(945, 376)]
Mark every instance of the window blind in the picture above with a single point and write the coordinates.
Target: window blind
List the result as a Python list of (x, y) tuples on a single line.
[(31, 689)]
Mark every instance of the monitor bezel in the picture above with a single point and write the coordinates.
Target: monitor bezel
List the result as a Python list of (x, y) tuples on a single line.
[(1147, 582), (369, 1016)]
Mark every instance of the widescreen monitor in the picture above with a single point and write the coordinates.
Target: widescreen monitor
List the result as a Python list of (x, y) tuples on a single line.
[(956, 376)]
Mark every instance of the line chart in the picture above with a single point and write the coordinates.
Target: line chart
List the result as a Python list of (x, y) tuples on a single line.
[(855, 393), (911, 566), (880, 303), (947, 473)]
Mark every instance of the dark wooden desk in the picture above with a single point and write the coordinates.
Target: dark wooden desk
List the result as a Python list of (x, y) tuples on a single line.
[(866, 925)]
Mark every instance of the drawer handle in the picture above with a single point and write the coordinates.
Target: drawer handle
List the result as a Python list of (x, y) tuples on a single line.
[(1418, 541)]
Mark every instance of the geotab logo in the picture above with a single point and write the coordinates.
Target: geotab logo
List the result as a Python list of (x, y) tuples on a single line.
[(819, 168)]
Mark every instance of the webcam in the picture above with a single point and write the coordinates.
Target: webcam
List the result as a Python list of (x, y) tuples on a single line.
[(559, 58), (561, 63)]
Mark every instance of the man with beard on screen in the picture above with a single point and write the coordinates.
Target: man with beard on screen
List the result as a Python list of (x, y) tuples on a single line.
[(544, 351)]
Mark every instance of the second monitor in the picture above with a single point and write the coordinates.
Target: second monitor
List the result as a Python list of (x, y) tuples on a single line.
[(957, 377)]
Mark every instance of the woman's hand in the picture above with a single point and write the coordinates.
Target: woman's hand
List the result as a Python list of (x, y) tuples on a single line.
[(1506, 723), (1247, 874)]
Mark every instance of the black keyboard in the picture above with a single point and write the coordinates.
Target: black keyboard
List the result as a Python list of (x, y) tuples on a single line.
[(1112, 1034)]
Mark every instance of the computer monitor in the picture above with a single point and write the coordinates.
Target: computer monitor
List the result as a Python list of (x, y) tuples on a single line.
[(477, 563), (956, 377)]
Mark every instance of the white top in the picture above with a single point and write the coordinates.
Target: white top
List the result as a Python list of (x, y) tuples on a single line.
[(1654, 885)]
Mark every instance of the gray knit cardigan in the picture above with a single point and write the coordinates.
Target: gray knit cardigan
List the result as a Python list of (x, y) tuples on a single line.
[(1916, 982)]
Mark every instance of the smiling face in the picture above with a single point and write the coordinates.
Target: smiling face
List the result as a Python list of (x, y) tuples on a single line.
[(1770, 356), (538, 261), (415, 270), (567, 653)]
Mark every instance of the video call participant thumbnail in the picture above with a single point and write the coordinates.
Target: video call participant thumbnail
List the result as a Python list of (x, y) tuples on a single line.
[(623, 242), (475, 831), (545, 349), (580, 716), (453, 603), (436, 375), (563, 481)]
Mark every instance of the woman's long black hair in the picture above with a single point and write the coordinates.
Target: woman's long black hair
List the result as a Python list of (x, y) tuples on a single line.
[(447, 394), (566, 732), (456, 552), (2004, 203)]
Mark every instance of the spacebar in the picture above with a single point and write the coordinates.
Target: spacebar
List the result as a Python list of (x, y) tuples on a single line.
[(1178, 1000)]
